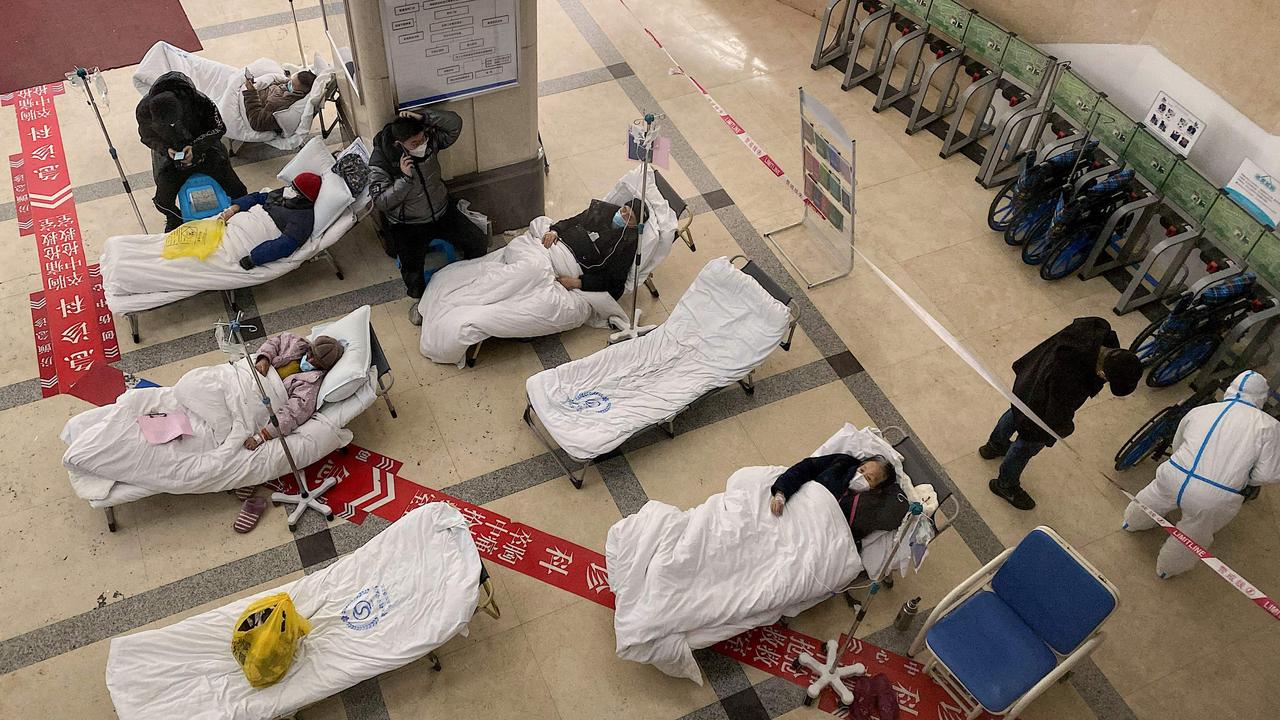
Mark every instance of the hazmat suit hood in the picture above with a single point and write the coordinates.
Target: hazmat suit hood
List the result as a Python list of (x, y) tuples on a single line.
[(1250, 387)]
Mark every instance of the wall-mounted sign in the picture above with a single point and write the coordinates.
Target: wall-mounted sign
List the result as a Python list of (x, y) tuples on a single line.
[(1257, 191), (1173, 124), (441, 50)]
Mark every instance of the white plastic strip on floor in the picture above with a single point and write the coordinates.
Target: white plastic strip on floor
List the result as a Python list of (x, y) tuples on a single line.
[(1237, 581)]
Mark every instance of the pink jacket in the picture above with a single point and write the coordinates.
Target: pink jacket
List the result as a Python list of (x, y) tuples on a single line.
[(302, 387)]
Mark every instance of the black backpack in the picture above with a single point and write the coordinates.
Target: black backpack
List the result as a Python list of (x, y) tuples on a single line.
[(354, 172)]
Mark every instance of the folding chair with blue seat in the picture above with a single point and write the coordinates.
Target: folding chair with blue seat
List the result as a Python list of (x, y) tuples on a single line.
[(998, 645)]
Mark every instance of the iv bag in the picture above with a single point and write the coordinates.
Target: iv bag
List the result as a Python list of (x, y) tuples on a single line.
[(100, 84)]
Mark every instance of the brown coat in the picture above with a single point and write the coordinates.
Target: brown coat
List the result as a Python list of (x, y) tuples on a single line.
[(260, 106)]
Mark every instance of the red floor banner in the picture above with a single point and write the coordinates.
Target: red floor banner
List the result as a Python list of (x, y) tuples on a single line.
[(44, 346), (21, 201)]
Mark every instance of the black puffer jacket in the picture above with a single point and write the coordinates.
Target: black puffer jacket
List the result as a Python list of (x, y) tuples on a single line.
[(605, 253), (201, 126), (1059, 374), (423, 197), (880, 508)]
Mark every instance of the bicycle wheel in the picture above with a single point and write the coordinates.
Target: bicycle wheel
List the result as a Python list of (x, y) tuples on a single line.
[(1069, 258), (1039, 242), (1150, 439), (1182, 360), (1002, 208)]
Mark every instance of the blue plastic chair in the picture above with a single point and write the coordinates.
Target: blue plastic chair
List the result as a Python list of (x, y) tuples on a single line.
[(999, 644)]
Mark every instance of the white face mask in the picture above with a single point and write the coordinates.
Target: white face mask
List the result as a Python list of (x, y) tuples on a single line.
[(418, 152), (289, 193), (859, 483)]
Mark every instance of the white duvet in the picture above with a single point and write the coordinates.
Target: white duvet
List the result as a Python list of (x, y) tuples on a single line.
[(724, 327), (223, 84), (109, 461), (136, 278), (509, 293), (400, 596), (687, 580)]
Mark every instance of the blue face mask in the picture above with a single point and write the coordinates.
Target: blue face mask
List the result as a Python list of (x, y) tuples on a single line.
[(288, 87), (305, 365), (618, 222)]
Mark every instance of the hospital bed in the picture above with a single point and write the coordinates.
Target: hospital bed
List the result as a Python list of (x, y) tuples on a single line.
[(224, 83), (685, 580), (135, 278), (394, 600), (684, 219), (351, 387), (724, 327)]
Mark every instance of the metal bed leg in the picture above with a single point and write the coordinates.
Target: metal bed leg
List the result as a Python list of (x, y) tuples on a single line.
[(489, 604), (687, 236), (435, 661), (786, 344), (473, 353), (653, 289), (111, 519), (382, 390), (133, 326), (575, 479), (337, 269), (669, 427), (748, 383)]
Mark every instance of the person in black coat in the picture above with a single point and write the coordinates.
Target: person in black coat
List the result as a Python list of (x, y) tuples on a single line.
[(1054, 380), (866, 489), (184, 131), (603, 239)]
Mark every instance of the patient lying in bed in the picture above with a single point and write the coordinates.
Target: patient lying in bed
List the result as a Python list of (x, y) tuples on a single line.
[(866, 489), (291, 208), (301, 365)]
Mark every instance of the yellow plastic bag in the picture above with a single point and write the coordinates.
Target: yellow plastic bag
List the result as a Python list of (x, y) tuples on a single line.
[(197, 239), (265, 638)]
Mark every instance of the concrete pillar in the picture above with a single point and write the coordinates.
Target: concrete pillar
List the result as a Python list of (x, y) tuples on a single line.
[(496, 163)]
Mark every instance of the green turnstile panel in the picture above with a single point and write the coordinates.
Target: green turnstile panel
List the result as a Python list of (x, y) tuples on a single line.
[(1265, 260), (918, 9), (985, 40), (1074, 98), (1113, 128), (1025, 63), (1149, 157), (1232, 227), (949, 17), (1189, 191)]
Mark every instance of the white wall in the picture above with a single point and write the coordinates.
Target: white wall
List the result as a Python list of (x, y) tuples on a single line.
[(1132, 74)]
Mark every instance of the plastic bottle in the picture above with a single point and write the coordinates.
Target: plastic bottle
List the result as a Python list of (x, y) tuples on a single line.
[(906, 613)]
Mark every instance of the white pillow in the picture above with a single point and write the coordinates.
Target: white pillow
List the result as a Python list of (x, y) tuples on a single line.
[(313, 157), (352, 370), (333, 200), (289, 118)]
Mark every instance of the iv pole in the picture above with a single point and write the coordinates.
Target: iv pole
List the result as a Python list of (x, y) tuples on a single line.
[(634, 329), (298, 35), (80, 77)]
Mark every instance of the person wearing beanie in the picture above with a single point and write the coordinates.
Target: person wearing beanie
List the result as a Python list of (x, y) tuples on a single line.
[(184, 130), (291, 208), (1054, 379), (301, 365)]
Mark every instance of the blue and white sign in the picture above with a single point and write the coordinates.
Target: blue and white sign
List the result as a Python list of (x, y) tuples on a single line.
[(441, 50), (1257, 191), (368, 607)]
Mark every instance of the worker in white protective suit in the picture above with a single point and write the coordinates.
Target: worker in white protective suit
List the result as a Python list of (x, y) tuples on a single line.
[(1219, 449)]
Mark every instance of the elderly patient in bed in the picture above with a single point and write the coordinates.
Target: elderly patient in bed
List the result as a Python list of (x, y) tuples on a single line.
[(865, 487), (302, 366), (292, 208)]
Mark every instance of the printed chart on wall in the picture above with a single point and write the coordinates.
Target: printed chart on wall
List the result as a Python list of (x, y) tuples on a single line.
[(828, 154), (441, 50)]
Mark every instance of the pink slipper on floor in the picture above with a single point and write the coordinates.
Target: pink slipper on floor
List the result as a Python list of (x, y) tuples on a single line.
[(244, 493), (249, 515)]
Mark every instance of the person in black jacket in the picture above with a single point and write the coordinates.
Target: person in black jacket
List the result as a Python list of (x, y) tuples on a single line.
[(1054, 380), (603, 239), (866, 488), (184, 131)]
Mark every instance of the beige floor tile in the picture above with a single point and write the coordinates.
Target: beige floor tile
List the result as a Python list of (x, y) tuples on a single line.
[(601, 169), (756, 191), (18, 359), (414, 438), (687, 469), (890, 217), (32, 443), (580, 516), (586, 340), (68, 554), (563, 51), (478, 414), (1059, 702), (565, 194), (566, 130), (1236, 682), (789, 430), (328, 709), (496, 678), (482, 627), (946, 403), (18, 256), (574, 648), (66, 686)]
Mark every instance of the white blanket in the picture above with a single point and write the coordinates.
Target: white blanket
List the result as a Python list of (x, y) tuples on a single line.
[(724, 327), (402, 595), (659, 229), (508, 293), (106, 446), (687, 580), (136, 278), (223, 84)]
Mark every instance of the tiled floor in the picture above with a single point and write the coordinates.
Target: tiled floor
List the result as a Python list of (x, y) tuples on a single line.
[(1185, 648)]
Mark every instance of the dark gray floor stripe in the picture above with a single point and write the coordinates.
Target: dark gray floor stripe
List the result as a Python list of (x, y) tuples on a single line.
[(577, 80), (550, 350), (235, 27), (625, 488), (365, 701)]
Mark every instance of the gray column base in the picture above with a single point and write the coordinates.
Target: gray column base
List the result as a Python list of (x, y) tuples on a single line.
[(511, 195)]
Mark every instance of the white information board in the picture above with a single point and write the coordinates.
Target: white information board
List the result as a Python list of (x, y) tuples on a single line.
[(441, 50), (1257, 191), (1173, 124)]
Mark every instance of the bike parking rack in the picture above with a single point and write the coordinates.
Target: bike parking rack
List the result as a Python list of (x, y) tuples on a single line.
[(872, 28), (1226, 362), (906, 51), (1011, 139), (1127, 247), (1181, 243), (824, 54)]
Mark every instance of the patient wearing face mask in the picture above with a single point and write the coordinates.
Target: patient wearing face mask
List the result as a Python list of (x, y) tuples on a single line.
[(302, 366), (866, 489), (603, 239), (292, 208)]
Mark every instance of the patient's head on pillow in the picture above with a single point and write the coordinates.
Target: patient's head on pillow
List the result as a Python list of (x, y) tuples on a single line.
[(303, 81), (325, 353), (633, 209), (878, 470)]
